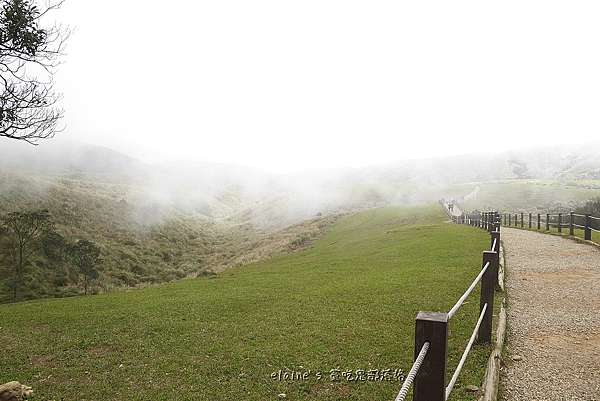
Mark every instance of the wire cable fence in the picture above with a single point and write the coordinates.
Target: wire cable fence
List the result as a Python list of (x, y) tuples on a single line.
[(413, 372), (462, 299), (427, 376), (463, 358)]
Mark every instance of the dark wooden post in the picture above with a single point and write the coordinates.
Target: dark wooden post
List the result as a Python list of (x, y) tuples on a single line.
[(539, 221), (491, 221), (547, 222), (516, 220), (571, 226), (430, 382), (530, 221), (510, 219), (560, 222), (487, 297), (504, 218), (522, 223), (587, 235)]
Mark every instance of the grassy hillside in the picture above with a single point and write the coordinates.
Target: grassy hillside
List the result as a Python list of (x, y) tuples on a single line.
[(348, 302), (143, 242), (527, 194)]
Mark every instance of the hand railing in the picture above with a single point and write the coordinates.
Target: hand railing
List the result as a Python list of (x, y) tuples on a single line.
[(428, 373)]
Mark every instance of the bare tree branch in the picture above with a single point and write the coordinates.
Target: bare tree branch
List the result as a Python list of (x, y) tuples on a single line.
[(29, 56)]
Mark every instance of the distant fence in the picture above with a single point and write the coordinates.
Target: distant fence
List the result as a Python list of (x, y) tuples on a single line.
[(561, 223), (554, 221), (427, 376)]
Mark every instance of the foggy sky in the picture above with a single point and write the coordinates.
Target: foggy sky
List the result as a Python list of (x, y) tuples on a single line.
[(290, 85)]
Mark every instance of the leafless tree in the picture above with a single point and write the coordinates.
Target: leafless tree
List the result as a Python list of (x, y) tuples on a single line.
[(29, 56)]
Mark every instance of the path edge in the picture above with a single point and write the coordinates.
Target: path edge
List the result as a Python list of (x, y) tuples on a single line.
[(491, 379)]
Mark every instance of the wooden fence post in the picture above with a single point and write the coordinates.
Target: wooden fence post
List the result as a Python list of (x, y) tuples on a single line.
[(516, 220), (588, 228), (571, 226), (560, 222), (539, 220), (547, 222), (487, 297), (510, 219), (530, 221), (491, 222), (522, 224), (430, 382)]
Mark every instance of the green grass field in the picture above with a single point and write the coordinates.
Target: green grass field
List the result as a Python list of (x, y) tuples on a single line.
[(347, 303), (527, 194)]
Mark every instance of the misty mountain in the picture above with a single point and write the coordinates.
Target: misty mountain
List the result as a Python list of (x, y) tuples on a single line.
[(238, 193), (160, 222)]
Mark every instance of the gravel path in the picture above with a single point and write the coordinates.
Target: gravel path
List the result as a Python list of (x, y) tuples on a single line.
[(553, 349)]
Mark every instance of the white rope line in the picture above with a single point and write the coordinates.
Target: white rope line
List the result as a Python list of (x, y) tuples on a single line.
[(459, 303), (413, 372), (494, 244), (465, 354)]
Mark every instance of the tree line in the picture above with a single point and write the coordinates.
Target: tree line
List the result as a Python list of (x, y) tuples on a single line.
[(25, 235)]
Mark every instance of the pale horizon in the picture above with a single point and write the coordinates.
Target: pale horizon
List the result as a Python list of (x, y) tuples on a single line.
[(289, 87)]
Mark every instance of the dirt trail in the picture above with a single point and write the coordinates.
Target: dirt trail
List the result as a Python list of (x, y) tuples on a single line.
[(553, 349)]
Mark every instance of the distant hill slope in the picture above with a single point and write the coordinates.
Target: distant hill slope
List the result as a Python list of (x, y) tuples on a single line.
[(142, 242), (159, 222), (220, 191)]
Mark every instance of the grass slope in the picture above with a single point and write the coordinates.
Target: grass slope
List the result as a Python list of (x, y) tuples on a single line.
[(528, 194), (348, 302), (142, 242)]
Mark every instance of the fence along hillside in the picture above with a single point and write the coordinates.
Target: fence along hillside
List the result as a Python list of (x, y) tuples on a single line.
[(427, 376), (578, 225), (573, 224)]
